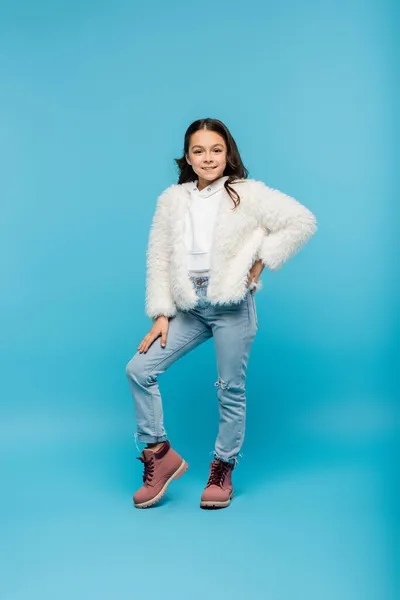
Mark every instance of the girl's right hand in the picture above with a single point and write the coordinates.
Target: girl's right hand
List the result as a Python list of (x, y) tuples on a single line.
[(160, 327)]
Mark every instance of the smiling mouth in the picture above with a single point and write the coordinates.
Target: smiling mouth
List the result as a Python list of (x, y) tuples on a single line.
[(209, 168)]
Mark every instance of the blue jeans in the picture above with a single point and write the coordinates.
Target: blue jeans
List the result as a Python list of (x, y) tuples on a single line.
[(233, 327)]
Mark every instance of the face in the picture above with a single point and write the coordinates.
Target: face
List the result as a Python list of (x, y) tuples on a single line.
[(207, 155)]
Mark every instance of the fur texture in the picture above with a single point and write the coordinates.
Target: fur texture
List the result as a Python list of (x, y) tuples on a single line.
[(267, 225)]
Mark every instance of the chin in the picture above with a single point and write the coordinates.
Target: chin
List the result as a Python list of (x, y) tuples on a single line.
[(212, 175)]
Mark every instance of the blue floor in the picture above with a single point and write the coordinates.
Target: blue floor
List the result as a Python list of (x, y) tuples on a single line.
[(309, 520)]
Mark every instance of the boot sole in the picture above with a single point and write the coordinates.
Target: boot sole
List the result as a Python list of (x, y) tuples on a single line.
[(178, 473), (216, 504)]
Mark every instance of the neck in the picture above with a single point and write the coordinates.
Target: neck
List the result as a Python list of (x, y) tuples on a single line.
[(203, 183)]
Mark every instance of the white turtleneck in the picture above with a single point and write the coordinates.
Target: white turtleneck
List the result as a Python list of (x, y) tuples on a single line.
[(200, 223)]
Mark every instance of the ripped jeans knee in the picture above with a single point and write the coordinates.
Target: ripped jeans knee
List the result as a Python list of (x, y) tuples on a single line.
[(221, 383)]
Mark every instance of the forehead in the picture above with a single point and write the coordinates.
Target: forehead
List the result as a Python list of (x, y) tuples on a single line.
[(205, 138)]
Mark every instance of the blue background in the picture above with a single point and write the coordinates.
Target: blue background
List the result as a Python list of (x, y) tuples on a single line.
[(95, 100)]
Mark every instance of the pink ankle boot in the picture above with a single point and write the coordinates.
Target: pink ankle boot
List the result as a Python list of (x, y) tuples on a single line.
[(160, 468), (218, 491)]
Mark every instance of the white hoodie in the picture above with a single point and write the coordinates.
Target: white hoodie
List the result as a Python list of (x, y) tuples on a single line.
[(200, 223)]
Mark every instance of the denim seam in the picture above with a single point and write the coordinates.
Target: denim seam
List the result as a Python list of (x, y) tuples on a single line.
[(153, 416), (254, 310), (241, 422), (153, 419)]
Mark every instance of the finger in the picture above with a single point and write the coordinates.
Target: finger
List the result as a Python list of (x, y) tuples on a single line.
[(145, 343), (163, 339), (150, 342), (142, 343), (144, 340)]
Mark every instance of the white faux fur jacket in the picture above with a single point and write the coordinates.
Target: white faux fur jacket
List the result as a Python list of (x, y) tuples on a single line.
[(267, 225)]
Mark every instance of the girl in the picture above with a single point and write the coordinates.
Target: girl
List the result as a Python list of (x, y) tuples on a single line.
[(212, 235)]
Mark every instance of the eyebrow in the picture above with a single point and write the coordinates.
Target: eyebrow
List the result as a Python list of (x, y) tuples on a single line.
[(198, 146)]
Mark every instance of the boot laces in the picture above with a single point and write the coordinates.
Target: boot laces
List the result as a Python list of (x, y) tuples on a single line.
[(148, 468), (219, 469)]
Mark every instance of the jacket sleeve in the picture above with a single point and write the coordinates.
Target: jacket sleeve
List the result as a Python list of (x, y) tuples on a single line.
[(159, 299), (289, 225)]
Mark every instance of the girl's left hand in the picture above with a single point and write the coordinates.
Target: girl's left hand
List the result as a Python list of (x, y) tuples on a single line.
[(255, 273)]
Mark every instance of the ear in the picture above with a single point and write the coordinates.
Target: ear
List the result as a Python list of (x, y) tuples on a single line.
[(187, 160)]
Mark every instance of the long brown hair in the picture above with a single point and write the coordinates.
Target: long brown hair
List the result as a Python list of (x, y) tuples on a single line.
[(235, 168)]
